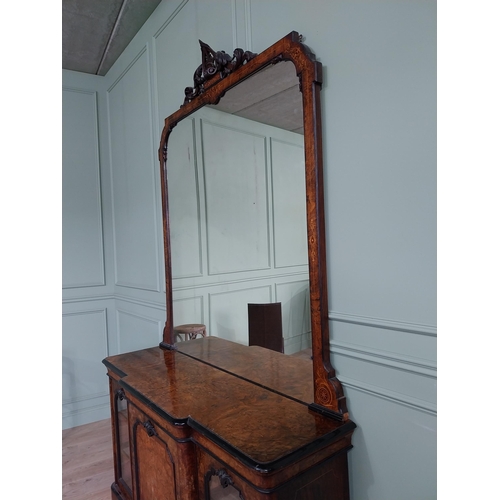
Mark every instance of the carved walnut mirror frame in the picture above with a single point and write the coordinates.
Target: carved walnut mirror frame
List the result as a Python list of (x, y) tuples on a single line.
[(218, 73)]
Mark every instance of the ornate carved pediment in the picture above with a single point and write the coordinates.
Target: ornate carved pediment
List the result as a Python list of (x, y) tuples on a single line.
[(213, 63)]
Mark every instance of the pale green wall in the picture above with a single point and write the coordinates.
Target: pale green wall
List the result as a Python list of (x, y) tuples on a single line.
[(379, 134)]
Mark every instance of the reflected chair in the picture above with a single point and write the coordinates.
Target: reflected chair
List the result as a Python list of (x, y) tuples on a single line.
[(265, 327), (190, 331)]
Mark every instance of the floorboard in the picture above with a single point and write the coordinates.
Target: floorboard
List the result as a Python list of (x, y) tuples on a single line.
[(87, 462)]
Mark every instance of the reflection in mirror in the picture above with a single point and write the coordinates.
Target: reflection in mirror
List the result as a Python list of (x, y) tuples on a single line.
[(236, 189), (219, 486), (124, 463)]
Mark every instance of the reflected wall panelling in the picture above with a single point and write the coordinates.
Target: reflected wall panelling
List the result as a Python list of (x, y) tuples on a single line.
[(136, 331), (185, 204), (213, 251), (236, 199), (289, 201)]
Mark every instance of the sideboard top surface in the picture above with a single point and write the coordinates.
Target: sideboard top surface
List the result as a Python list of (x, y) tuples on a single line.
[(259, 425), (287, 375)]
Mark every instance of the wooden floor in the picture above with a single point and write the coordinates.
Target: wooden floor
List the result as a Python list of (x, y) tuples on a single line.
[(305, 354), (87, 462)]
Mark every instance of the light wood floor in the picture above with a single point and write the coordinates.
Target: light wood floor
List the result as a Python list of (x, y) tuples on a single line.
[(305, 354), (87, 462)]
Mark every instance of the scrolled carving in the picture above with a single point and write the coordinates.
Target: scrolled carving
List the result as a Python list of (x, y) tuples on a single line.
[(224, 478), (121, 394), (213, 62), (150, 428)]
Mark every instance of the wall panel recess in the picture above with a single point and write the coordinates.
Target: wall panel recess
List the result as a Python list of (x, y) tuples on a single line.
[(394, 448), (82, 236), (236, 199), (184, 202), (289, 201), (84, 346), (189, 310), (133, 164), (229, 312), (296, 314), (137, 331)]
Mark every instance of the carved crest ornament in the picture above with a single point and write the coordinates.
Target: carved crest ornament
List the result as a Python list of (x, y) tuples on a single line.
[(213, 63)]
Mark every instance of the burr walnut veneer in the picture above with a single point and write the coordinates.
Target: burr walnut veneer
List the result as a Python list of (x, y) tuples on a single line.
[(201, 411), (209, 418)]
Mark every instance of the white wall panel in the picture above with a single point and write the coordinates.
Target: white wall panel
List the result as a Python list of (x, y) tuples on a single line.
[(82, 237), (136, 331), (229, 312), (175, 63), (173, 72), (84, 346), (394, 449), (296, 314), (289, 202), (184, 202), (208, 25), (391, 376), (189, 310), (419, 347), (236, 199), (383, 200), (135, 202)]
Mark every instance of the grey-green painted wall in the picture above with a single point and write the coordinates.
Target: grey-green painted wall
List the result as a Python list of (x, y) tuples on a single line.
[(379, 128)]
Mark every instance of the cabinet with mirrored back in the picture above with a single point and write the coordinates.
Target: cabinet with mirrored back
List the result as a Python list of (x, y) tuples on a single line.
[(211, 417)]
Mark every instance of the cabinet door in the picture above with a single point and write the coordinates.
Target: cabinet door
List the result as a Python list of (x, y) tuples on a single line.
[(125, 466), (121, 438), (154, 464)]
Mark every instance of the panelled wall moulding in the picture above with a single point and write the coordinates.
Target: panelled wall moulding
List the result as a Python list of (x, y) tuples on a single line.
[(131, 215), (137, 337), (388, 324), (82, 178), (84, 343)]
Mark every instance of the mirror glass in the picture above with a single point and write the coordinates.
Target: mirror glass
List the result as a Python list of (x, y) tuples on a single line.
[(222, 491), (237, 206)]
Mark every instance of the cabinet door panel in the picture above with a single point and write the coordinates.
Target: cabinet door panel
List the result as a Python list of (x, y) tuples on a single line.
[(121, 441), (125, 469), (155, 474)]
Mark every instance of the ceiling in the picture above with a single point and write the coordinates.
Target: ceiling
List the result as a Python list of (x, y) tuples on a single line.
[(95, 32), (270, 96)]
